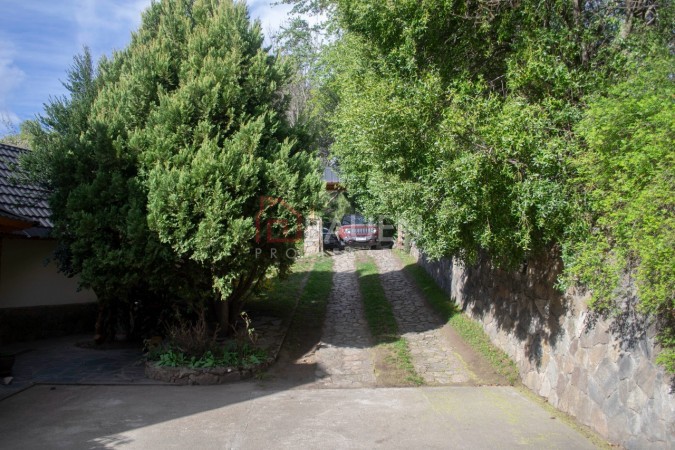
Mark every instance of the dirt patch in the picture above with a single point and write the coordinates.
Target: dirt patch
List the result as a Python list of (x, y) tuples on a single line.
[(296, 363), (485, 373), (388, 370)]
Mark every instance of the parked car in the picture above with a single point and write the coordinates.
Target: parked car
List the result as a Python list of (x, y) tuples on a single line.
[(330, 240), (356, 231)]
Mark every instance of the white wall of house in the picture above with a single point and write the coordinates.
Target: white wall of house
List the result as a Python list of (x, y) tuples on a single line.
[(27, 279)]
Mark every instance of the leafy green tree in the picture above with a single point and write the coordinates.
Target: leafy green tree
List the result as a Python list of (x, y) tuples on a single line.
[(12, 134), (433, 132), (98, 208), (625, 170), (470, 120), (312, 99), (160, 159)]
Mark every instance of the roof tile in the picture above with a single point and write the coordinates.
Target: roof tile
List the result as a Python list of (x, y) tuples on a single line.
[(28, 201)]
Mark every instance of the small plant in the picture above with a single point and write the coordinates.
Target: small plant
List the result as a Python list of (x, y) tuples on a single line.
[(244, 336), (245, 333), (172, 358), (253, 357), (223, 357), (193, 345), (192, 338)]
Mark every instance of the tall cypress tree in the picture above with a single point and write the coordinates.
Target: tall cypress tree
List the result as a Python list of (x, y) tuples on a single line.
[(183, 133)]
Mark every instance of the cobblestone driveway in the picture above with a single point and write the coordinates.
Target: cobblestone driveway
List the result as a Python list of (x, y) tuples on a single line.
[(433, 356), (344, 355)]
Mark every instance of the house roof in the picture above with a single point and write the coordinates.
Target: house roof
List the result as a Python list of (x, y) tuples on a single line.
[(332, 179), (330, 175), (21, 202)]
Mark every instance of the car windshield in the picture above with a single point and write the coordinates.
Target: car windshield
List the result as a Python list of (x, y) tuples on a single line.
[(354, 219)]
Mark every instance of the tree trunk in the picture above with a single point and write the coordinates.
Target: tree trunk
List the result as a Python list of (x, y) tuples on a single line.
[(105, 323), (227, 311), (222, 309), (578, 30), (633, 7)]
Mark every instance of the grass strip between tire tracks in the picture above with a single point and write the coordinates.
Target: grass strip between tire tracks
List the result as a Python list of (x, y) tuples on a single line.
[(281, 297), (470, 330), (310, 309), (396, 361), (314, 297)]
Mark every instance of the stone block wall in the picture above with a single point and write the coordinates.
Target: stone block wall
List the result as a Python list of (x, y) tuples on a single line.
[(599, 370), (313, 240)]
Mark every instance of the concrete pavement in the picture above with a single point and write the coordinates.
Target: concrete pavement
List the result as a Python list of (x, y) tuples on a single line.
[(61, 361), (249, 415), (88, 398)]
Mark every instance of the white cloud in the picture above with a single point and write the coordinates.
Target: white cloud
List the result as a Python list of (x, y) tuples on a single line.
[(11, 78), (87, 22), (39, 39), (271, 15), (9, 123), (98, 22), (130, 11)]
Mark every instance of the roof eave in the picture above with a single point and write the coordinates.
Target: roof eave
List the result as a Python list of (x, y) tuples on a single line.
[(11, 225)]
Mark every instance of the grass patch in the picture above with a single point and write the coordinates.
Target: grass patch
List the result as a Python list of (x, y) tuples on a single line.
[(310, 311), (281, 295), (393, 360), (403, 360), (470, 330), (377, 308), (314, 297)]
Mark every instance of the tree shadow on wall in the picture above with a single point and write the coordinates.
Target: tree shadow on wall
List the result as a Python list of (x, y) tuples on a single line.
[(523, 303), (634, 331), (626, 324)]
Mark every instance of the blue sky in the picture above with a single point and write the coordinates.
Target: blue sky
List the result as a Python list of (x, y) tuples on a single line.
[(38, 39)]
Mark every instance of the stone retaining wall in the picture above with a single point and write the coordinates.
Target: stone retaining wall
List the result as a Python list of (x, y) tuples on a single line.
[(599, 370)]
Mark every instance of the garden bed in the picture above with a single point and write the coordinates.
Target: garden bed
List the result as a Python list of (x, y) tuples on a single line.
[(272, 312), (222, 363), (202, 376)]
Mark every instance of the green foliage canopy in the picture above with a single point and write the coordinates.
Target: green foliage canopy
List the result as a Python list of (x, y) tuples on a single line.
[(625, 170), (514, 129), (455, 116), (158, 161)]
